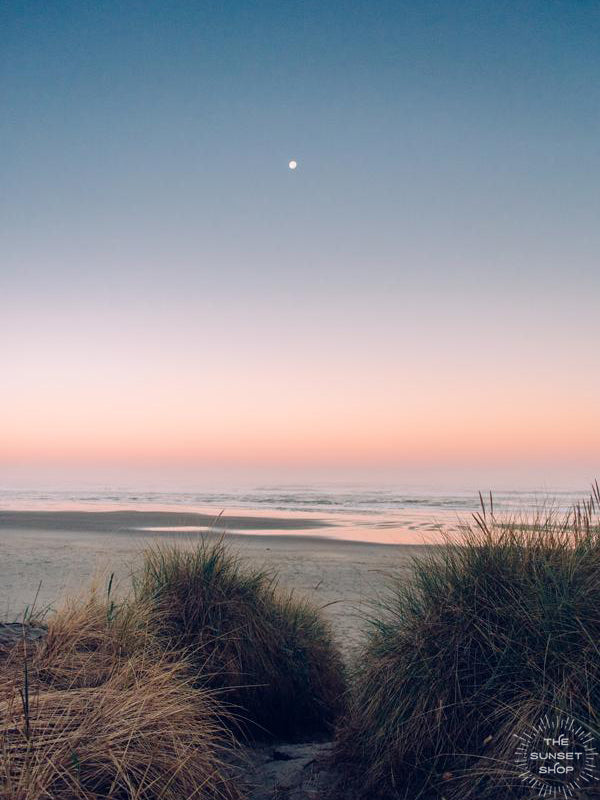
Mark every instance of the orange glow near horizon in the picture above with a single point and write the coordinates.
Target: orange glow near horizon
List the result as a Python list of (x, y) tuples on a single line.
[(285, 420)]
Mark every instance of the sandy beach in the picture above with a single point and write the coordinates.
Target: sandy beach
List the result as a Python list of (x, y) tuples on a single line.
[(58, 554)]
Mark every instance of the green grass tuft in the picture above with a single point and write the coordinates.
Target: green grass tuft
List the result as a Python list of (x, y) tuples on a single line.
[(489, 636), (272, 653)]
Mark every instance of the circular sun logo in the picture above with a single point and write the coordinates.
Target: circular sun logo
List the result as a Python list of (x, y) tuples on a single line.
[(557, 757)]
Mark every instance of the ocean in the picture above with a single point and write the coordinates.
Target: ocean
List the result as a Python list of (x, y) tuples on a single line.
[(354, 512), (324, 498)]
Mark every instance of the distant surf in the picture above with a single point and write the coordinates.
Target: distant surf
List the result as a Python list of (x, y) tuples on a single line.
[(332, 499), (351, 513)]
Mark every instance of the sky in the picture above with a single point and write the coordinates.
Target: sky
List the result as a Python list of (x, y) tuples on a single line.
[(419, 297)]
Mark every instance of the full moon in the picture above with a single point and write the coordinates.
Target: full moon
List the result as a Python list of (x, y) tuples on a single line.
[(293, 164)]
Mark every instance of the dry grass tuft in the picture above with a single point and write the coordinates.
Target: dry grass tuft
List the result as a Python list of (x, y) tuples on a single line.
[(97, 710), (490, 636)]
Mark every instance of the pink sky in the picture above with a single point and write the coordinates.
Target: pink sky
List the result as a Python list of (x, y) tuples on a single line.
[(321, 393)]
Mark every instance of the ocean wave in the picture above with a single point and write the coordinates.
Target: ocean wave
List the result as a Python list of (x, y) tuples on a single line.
[(283, 498)]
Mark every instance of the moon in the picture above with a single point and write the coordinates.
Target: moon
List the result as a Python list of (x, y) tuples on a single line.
[(293, 164)]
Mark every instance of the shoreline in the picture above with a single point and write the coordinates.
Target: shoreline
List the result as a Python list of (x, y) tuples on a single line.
[(414, 528), (99, 521)]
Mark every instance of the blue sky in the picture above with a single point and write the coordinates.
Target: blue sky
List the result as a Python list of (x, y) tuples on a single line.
[(443, 218)]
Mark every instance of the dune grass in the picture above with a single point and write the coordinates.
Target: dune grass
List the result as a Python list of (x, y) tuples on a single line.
[(488, 637), (98, 710), (272, 655)]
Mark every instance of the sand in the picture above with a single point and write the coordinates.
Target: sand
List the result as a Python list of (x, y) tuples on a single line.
[(47, 556), (55, 554)]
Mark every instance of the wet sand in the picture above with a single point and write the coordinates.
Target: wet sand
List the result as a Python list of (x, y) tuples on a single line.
[(55, 554)]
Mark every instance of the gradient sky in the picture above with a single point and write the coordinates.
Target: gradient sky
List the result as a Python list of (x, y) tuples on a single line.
[(421, 294)]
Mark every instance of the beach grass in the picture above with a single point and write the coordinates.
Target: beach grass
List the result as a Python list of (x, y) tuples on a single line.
[(271, 654), (97, 709), (488, 637)]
